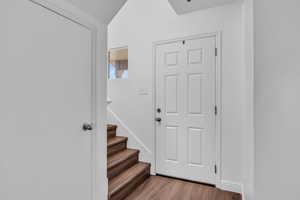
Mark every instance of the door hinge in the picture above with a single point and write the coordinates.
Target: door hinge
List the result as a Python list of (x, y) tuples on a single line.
[(216, 169), (216, 110), (216, 51)]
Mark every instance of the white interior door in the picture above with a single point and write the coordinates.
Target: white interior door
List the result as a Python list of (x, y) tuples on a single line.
[(45, 84), (186, 95)]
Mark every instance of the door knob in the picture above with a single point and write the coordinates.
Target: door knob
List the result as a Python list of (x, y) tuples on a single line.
[(87, 127), (158, 119)]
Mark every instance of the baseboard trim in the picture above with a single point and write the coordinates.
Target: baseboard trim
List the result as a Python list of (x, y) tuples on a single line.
[(232, 187), (243, 192)]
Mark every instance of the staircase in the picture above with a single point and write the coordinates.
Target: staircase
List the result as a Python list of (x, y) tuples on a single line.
[(124, 171)]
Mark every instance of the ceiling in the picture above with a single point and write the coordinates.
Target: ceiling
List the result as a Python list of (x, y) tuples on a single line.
[(105, 10), (187, 6), (102, 10)]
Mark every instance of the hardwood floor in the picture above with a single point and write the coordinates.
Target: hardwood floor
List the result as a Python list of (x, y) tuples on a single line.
[(128, 178), (162, 188)]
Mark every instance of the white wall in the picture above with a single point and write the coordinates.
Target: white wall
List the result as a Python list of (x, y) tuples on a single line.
[(277, 97), (142, 22)]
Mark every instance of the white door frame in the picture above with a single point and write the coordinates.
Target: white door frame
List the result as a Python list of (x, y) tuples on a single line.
[(217, 36), (75, 15)]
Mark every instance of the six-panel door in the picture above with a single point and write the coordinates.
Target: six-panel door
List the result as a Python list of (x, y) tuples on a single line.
[(186, 139)]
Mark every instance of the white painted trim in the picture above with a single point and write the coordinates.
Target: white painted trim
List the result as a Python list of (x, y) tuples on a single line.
[(231, 186), (101, 123), (154, 86), (118, 48), (134, 142), (243, 192), (249, 137), (218, 36), (71, 13), (129, 131)]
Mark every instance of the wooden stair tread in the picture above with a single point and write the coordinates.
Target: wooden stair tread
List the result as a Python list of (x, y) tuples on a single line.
[(121, 181), (120, 157), (111, 127), (124, 171), (116, 140)]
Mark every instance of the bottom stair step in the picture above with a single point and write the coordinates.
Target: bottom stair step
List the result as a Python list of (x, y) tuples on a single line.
[(125, 183)]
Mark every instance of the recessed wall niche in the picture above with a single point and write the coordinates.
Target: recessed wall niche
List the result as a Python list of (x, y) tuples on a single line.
[(118, 63)]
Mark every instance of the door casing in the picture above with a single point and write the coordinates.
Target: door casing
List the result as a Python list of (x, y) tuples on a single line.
[(218, 36)]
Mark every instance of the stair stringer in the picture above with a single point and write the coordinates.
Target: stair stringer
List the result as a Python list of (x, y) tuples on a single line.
[(146, 155)]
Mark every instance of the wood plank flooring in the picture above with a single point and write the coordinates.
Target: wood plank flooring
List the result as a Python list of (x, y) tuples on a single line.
[(162, 188)]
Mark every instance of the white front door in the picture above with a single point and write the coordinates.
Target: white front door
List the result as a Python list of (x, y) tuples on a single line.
[(46, 85), (186, 97)]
